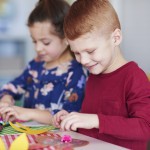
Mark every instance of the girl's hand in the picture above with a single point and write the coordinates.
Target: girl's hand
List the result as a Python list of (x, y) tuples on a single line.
[(12, 113), (2, 105), (58, 117), (8, 113), (75, 120)]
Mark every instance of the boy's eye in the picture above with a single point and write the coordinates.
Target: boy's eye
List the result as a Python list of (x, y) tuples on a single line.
[(91, 51), (76, 53)]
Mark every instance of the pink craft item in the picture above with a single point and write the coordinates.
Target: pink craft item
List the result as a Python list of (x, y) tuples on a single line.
[(66, 139)]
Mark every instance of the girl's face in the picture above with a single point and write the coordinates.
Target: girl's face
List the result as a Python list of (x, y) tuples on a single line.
[(48, 45), (95, 52)]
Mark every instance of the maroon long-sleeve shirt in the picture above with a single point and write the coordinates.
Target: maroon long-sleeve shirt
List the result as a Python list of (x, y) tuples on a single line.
[(121, 100)]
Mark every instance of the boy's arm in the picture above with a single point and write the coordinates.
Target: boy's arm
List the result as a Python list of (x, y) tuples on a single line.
[(136, 125)]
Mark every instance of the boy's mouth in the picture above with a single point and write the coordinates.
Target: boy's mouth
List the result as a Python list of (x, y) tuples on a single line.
[(90, 67)]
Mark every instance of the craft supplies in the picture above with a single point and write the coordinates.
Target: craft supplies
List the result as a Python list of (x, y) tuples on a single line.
[(66, 139), (21, 128)]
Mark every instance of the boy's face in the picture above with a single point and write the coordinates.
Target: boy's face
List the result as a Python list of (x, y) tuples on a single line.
[(48, 45), (95, 52)]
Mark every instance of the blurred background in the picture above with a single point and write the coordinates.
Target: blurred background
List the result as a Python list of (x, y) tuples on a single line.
[(16, 48)]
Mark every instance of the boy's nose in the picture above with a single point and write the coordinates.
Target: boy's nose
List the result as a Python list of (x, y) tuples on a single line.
[(84, 60)]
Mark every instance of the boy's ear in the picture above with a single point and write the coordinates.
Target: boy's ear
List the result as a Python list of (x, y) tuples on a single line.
[(66, 42), (117, 37)]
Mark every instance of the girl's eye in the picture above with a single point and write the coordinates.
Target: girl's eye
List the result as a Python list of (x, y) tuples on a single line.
[(34, 42), (47, 43)]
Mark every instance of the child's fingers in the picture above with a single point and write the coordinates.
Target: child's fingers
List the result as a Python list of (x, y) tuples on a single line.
[(5, 110), (62, 117), (12, 118), (65, 125), (10, 115), (3, 116), (56, 122), (4, 105), (58, 118), (69, 122), (3, 113), (60, 114), (53, 120)]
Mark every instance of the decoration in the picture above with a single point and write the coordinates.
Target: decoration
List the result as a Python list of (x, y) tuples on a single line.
[(17, 143), (55, 141), (66, 139), (33, 145), (3, 124), (1, 127), (2, 145), (25, 129)]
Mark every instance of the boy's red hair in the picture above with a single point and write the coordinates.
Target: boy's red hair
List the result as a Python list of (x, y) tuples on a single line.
[(88, 15)]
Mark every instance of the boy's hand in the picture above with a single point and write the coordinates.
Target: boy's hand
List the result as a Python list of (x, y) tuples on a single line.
[(75, 120), (58, 117)]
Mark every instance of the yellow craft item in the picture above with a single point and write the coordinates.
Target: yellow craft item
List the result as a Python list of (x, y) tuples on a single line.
[(28, 130), (22, 126), (2, 145), (20, 143)]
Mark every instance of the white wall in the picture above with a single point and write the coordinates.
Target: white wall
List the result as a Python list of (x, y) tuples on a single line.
[(17, 27), (16, 47), (135, 20)]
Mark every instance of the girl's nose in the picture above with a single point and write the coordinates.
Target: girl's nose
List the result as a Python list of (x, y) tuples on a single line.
[(38, 47)]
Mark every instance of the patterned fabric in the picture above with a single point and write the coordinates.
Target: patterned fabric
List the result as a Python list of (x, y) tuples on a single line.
[(55, 89), (8, 139), (9, 130)]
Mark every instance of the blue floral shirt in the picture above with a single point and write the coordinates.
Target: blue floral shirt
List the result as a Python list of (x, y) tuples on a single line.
[(55, 89)]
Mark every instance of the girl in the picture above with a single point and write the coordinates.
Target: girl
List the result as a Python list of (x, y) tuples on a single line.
[(54, 80)]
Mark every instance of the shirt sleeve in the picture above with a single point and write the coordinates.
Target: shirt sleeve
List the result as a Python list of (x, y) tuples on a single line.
[(136, 125), (16, 88), (73, 93)]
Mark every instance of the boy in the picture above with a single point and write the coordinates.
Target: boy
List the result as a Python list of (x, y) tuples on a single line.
[(116, 107)]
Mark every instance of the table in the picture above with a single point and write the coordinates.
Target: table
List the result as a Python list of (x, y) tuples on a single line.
[(94, 144)]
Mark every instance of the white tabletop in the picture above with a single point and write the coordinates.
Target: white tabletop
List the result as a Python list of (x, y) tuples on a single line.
[(94, 144)]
